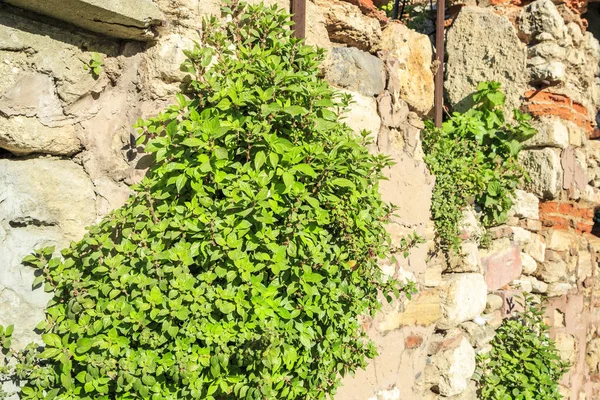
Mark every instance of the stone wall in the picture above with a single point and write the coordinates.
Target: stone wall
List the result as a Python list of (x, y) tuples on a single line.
[(548, 64), (68, 157)]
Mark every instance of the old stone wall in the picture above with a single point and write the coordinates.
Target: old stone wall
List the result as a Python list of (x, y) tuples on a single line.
[(68, 157)]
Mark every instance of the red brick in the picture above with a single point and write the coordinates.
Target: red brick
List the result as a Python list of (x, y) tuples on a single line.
[(584, 227), (565, 208), (413, 341), (549, 207), (555, 222)]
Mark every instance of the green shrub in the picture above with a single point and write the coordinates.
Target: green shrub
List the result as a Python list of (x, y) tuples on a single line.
[(474, 158), (524, 363), (240, 267)]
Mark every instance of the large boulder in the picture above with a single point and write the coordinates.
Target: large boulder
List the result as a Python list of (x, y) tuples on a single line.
[(347, 24), (43, 202), (483, 46), (408, 55), (353, 69)]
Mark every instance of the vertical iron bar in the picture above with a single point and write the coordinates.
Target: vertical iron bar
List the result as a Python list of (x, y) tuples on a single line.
[(396, 9), (439, 53), (298, 10), (402, 11)]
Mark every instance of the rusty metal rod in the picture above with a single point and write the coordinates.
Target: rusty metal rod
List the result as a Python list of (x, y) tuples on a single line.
[(439, 55), (298, 9)]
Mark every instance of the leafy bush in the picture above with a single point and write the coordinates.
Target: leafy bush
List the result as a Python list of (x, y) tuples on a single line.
[(524, 363), (240, 267), (474, 158)]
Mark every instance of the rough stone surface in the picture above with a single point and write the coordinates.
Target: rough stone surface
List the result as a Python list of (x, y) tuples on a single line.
[(355, 70), (408, 61), (362, 114), (463, 297), (348, 25), (541, 21), (552, 132), (24, 135), (456, 365), (122, 19), (529, 264), (525, 205), (545, 171), (483, 46), (42, 202)]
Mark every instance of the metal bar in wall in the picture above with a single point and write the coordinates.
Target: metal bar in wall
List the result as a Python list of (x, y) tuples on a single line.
[(298, 9), (439, 54)]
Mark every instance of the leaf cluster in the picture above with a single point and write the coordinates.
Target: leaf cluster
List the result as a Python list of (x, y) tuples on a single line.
[(524, 363), (242, 264), (474, 158), (94, 65)]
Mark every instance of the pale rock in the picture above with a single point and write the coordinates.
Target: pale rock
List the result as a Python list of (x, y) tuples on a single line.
[(390, 394), (545, 170), (553, 270), (43, 202), (456, 365), (483, 46), (584, 265), (550, 71), (362, 114), (567, 347), (521, 235), (110, 194), (463, 297), (408, 56), (355, 70), (392, 109), (522, 284), (162, 64), (537, 286), (559, 240), (125, 20), (541, 21), (548, 50), (478, 335), (536, 247), (525, 205), (33, 95), (470, 225), (433, 275), (493, 303), (529, 264), (316, 30), (412, 136), (592, 356), (26, 135), (552, 132), (346, 24), (468, 261), (557, 289), (575, 176)]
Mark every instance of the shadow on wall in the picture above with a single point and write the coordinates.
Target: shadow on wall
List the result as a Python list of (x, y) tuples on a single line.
[(596, 227)]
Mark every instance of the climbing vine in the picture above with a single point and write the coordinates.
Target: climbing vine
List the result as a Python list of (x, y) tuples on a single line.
[(240, 267), (474, 158), (523, 362)]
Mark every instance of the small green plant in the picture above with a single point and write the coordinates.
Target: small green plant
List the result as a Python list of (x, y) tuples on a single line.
[(474, 158), (242, 264), (524, 363), (94, 65)]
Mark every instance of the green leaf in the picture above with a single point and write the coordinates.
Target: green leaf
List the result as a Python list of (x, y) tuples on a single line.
[(343, 182)]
